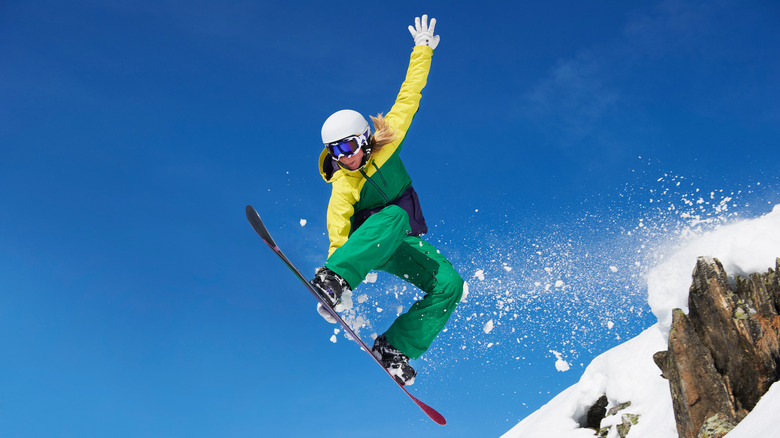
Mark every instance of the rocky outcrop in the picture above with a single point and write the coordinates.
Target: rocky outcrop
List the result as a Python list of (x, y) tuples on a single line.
[(724, 354), (604, 421), (596, 413)]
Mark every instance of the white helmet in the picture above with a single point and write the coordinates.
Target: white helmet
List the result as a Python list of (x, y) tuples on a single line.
[(343, 124)]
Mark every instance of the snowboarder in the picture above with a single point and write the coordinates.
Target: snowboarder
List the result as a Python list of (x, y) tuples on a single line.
[(374, 219)]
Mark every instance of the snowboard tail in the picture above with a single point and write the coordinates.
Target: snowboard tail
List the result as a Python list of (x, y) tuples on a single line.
[(262, 231)]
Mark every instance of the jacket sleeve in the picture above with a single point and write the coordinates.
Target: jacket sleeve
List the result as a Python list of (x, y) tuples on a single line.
[(340, 211), (408, 101)]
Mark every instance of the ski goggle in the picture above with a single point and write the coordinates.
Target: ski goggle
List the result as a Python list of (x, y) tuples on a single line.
[(348, 147)]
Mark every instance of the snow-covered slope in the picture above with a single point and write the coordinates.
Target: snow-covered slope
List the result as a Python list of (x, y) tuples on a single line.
[(628, 373)]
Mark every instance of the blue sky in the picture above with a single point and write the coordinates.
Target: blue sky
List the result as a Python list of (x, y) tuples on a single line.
[(564, 140)]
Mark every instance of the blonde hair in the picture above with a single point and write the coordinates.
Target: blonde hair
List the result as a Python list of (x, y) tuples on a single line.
[(383, 133)]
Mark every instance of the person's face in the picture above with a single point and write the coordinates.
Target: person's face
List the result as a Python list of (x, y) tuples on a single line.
[(353, 162)]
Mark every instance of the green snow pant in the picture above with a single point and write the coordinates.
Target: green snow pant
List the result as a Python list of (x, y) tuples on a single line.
[(382, 243)]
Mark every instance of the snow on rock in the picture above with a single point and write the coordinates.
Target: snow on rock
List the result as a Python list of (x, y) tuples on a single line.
[(742, 247), (760, 422), (628, 372), (624, 373)]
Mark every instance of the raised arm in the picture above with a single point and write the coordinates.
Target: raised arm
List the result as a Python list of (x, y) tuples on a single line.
[(408, 100)]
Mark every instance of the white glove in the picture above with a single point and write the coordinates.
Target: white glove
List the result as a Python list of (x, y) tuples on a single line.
[(423, 34)]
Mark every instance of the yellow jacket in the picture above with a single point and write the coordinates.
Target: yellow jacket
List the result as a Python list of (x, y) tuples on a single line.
[(384, 177)]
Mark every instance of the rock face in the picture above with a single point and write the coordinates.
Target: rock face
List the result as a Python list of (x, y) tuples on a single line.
[(604, 421), (724, 355), (596, 413)]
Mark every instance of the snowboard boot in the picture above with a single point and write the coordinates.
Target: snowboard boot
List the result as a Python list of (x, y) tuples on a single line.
[(394, 361), (331, 287)]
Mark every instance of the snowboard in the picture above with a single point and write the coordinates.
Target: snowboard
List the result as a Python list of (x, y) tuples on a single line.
[(259, 227)]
